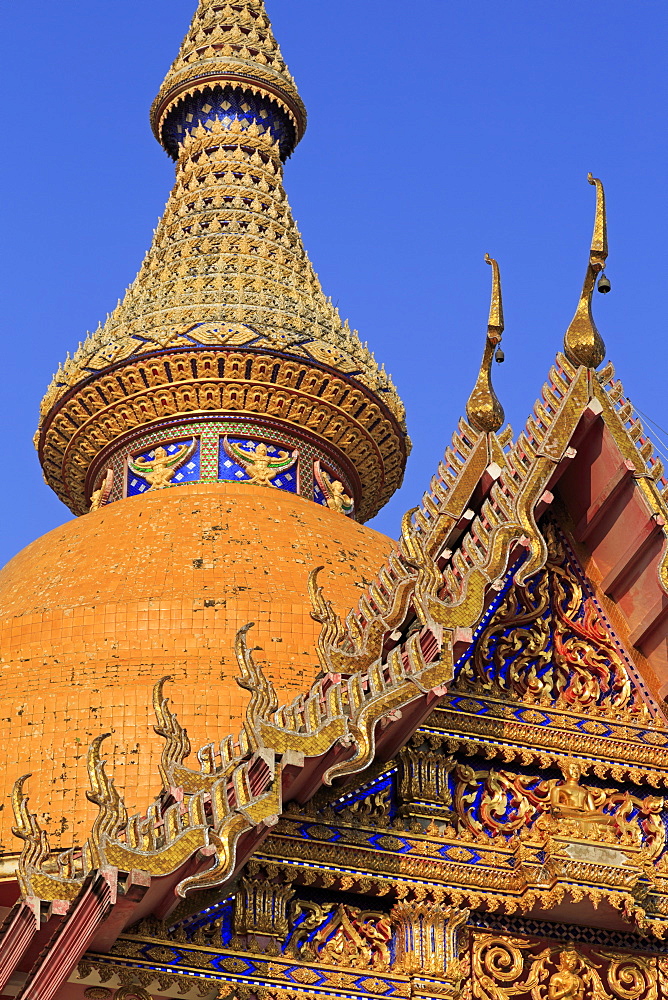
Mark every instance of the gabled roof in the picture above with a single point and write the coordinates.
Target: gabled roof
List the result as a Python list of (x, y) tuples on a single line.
[(387, 666)]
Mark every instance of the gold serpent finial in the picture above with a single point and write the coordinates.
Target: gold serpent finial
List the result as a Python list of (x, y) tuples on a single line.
[(332, 630), (35, 841), (177, 745), (263, 700), (483, 409), (583, 344), (111, 809)]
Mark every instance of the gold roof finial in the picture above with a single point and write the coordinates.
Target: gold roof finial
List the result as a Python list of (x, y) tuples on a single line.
[(483, 409), (583, 344)]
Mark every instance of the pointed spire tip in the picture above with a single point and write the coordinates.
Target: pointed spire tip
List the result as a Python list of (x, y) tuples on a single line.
[(583, 344), (483, 409)]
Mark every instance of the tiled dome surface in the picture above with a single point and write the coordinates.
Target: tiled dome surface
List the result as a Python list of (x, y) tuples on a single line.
[(93, 613)]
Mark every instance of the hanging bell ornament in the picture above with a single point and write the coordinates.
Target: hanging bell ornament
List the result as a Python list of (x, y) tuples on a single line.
[(499, 357), (604, 284)]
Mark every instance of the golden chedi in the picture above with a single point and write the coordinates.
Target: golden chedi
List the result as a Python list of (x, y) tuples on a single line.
[(224, 371)]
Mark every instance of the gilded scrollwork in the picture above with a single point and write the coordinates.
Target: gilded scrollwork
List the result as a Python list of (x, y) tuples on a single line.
[(506, 966), (548, 644), (495, 802), (342, 935)]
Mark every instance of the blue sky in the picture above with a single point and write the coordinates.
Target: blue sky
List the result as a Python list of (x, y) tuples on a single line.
[(438, 130)]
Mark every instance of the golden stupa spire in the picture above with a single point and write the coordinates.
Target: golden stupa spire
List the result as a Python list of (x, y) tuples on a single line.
[(583, 344), (227, 271), (229, 43), (483, 409)]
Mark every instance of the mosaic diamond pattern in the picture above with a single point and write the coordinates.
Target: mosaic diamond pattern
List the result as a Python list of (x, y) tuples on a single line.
[(227, 105), (213, 462)]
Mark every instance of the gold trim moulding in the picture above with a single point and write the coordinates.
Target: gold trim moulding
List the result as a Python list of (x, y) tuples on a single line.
[(343, 413)]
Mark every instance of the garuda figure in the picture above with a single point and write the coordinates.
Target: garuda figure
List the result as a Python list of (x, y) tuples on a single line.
[(261, 467), (159, 470)]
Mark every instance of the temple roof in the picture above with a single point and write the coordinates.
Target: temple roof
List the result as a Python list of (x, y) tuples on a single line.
[(579, 491), (582, 454)]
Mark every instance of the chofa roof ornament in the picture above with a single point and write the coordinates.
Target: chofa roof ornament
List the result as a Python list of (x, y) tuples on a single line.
[(483, 408), (583, 344)]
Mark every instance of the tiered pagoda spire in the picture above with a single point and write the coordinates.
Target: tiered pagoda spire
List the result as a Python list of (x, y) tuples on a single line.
[(227, 273)]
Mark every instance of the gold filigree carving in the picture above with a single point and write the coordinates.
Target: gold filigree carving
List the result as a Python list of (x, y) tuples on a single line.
[(428, 939), (333, 490), (305, 916), (320, 402), (112, 816), (490, 802), (505, 966), (131, 993), (228, 207), (548, 644), (177, 746), (352, 938), (35, 841), (566, 983), (261, 908), (332, 631), (100, 496), (264, 700)]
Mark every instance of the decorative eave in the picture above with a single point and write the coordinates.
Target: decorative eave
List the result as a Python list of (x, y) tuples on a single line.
[(222, 381)]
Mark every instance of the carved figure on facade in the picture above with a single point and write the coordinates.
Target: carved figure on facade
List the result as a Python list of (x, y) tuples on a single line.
[(497, 801), (504, 966), (333, 490), (571, 801), (260, 466), (565, 983), (161, 469)]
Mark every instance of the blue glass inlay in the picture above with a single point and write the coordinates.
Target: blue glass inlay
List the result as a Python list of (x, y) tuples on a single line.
[(227, 104), (319, 496), (231, 470)]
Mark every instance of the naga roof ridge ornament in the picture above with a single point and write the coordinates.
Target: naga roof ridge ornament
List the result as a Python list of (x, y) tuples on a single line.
[(483, 409), (583, 344)]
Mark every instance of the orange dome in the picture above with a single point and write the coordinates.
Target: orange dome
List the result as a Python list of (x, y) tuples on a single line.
[(92, 614)]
